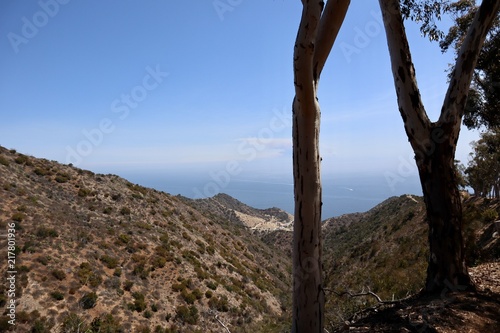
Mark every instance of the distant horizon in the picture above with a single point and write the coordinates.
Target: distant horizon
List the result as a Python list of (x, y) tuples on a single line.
[(342, 193), (133, 92)]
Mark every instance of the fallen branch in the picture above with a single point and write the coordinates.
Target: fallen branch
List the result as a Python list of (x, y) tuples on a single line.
[(368, 293), (216, 316)]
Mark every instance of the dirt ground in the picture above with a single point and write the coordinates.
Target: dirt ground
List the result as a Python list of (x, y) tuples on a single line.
[(446, 313)]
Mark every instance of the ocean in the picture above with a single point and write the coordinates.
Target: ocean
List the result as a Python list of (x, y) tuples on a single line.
[(341, 194)]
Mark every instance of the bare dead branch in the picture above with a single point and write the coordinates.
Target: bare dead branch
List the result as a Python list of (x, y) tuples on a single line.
[(368, 293)]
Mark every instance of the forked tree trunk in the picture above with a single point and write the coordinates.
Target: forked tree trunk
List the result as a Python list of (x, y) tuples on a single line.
[(434, 144), (317, 32)]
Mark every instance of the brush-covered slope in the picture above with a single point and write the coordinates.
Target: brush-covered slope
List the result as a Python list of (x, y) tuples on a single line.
[(100, 253), (263, 220), (383, 250)]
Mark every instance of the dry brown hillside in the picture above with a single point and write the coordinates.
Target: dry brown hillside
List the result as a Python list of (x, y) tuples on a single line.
[(96, 253), (101, 253)]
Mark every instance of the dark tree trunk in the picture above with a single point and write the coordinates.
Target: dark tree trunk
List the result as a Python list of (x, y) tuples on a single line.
[(434, 143), (446, 267)]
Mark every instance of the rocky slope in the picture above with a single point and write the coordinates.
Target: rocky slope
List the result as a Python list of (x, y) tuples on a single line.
[(259, 220), (98, 253), (103, 253)]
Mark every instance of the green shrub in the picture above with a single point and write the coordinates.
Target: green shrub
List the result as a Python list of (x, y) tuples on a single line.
[(107, 210), (178, 287), (87, 276), (127, 285), (219, 303), (188, 297), (106, 323), (59, 274), (21, 159), (4, 161), (139, 304), (211, 284), (88, 300), (18, 217), (43, 232), (57, 295), (62, 177), (188, 315), (117, 272), (125, 211), (109, 261), (84, 192), (74, 323), (41, 325), (197, 293), (489, 215)]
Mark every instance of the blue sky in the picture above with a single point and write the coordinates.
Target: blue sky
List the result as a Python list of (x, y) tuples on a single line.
[(199, 87)]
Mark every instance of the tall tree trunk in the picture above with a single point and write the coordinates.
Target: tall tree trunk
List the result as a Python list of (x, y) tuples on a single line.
[(446, 267), (434, 144), (315, 38)]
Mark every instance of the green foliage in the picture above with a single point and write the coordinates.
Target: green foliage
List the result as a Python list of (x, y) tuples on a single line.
[(57, 295), (125, 211), (139, 304), (59, 274), (124, 239), (107, 210), (87, 276), (18, 217), (44, 232), (127, 285), (22, 159), (489, 215), (84, 192), (62, 177), (483, 170), (211, 284), (41, 325), (4, 161), (106, 323), (109, 261), (188, 297), (88, 300), (188, 315), (219, 303), (74, 323)]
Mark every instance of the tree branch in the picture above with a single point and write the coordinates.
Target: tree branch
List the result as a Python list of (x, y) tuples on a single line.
[(460, 78), (331, 21), (368, 293), (219, 321), (303, 54), (417, 124)]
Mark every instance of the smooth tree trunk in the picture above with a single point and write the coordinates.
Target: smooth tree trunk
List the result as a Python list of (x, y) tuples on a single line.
[(316, 35), (434, 143)]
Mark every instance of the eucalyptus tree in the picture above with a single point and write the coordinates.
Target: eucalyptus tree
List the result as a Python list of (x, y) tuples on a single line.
[(318, 29), (434, 143), (483, 102)]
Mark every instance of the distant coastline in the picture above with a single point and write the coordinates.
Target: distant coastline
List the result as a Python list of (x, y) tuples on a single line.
[(341, 195)]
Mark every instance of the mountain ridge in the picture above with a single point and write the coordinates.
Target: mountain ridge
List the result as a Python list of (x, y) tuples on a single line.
[(98, 252)]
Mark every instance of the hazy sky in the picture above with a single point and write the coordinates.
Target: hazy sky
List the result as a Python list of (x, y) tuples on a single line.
[(199, 86)]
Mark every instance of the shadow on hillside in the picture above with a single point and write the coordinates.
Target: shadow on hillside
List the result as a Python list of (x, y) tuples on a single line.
[(452, 312)]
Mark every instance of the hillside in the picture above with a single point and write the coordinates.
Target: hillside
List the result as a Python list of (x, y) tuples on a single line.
[(241, 214), (384, 251), (100, 252)]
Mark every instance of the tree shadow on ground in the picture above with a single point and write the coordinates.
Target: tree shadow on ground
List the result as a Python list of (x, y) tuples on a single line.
[(448, 312)]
